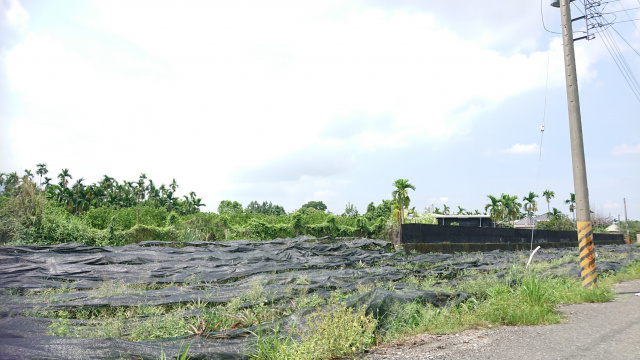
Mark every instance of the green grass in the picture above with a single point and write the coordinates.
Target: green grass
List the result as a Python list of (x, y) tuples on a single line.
[(330, 333), (520, 298), (157, 322)]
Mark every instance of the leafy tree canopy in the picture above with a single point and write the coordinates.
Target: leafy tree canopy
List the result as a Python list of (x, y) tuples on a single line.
[(316, 205), (383, 210), (229, 207), (266, 208), (559, 221), (350, 210)]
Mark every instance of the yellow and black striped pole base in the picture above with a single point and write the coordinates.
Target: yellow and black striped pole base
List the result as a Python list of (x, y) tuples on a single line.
[(587, 255)]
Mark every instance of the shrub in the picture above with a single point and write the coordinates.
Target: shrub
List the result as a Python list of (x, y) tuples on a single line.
[(140, 233), (125, 218), (558, 222)]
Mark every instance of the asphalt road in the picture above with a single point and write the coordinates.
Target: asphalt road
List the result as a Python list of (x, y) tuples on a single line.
[(592, 331)]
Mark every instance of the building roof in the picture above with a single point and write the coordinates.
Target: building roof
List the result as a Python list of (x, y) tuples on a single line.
[(613, 228), (530, 221)]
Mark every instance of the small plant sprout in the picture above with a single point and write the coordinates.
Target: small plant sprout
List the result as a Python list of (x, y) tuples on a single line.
[(200, 328)]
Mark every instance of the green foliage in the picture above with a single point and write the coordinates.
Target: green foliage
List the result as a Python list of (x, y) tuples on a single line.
[(338, 331), (266, 208), (331, 333), (401, 196), (425, 218), (229, 207), (183, 354), (274, 346), (81, 198), (126, 218), (350, 211), (383, 210), (258, 229), (507, 208), (634, 228), (140, 233), (113, 213), (557, 222), (315, 205), (172, 219)]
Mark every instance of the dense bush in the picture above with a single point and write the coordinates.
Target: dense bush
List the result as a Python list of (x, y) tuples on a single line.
[(557, 222), (28, 215), (126, 218)]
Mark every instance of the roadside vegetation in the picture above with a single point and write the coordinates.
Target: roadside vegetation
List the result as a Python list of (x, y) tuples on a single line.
[(523, 297)]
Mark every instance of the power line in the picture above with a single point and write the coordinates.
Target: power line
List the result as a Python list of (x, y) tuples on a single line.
[(621, 63), (596, 22), (625, 21), (625, 40), (543, 24), (617, 11), (629, 16)]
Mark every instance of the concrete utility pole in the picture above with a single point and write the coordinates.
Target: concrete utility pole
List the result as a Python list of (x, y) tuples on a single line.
[(583, 216), (626, 221)]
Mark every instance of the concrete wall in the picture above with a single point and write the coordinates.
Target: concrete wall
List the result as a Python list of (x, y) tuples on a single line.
[(437, 234), (468, 222)]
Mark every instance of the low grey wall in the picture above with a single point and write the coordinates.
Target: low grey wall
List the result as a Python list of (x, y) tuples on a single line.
[(437, 234)]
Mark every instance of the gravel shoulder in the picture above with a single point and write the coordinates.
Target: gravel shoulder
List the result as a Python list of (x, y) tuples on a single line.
[(591, 331)]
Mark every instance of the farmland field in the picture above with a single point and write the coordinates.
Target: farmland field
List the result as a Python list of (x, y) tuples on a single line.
[(223, 299)]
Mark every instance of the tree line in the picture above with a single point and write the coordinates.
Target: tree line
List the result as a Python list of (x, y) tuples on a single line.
[(110, 212), (78, 197)]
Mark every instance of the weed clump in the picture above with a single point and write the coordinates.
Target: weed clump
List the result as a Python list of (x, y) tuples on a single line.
[(335, 331)]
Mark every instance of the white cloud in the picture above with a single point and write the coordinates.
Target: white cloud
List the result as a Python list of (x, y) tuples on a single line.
[(523, 149), (210, 90), (364, 59), (16, 16), (249, 84), (626, 149)]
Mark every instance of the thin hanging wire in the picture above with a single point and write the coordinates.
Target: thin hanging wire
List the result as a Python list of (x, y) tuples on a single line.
[(544, 115)]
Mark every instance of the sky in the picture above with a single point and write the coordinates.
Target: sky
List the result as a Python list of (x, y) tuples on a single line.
[(293, 101)]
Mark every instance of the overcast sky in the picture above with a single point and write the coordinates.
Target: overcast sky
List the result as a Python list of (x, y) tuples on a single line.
[(292, 101)]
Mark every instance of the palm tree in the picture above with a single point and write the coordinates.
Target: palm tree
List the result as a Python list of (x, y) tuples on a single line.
[(445, 209), (27, 175), (548, 195), (461, 211), (42, 171), (141, 187), (11, 182), (511, 206), (106, 182), (173, 185), (530, 205), (401, 195), (197, 202), (64, 177), (571, 201), (495, 209)]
